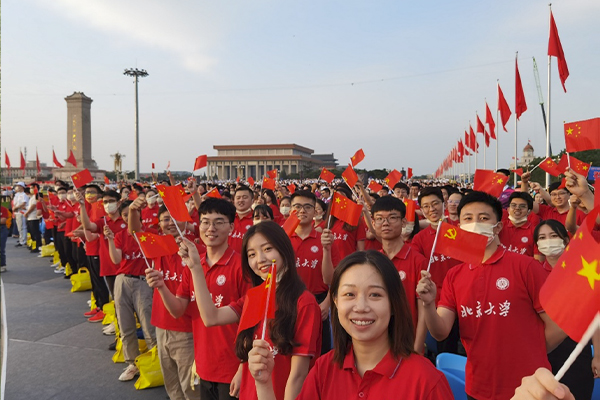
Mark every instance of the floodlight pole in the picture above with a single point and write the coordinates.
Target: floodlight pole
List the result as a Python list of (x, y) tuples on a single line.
[(136, 73)]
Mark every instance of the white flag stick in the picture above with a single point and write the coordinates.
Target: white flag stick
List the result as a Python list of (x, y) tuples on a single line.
[(272, 275), (140, 245), (437, 232), (584, 342)]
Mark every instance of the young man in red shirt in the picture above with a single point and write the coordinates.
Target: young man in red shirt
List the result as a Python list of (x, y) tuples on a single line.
[(388, 220), (503, 327), (63, 211), (216, 364), (150, 212), (242, 200), (518, 224)]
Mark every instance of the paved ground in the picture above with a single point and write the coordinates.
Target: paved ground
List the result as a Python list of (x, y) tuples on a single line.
[(53, 352)]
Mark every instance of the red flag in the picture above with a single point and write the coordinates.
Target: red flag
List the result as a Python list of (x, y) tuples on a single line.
[(82, 178), (37, 163), (467, 143), (571, 294), (409, 174), (106, 180), (152, 165), (350, 176), (357, 157), (411, 207), (237, 179), (173, 199), (268, 183), (132, 195), (55, 160), (259, 303), (518, 171), (520, 104), (550, 167), (503, 108), (155, 246), (490, 121), (488, 181), (480, 127), (272, 174), (393, 178), (555, 49), (291, 187), (345, 209), (327, 175), (374, 187), (486, 135), (291, 224), (462, 245), (96, 210), (582, 135), (6, 160), (473, 139), (168, 165), (576, 165), (72, 160), (200, 162), (23, 164), (250, 181), (214, 193)]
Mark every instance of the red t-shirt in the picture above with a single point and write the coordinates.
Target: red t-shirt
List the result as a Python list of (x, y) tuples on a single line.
[(413, 378), (409, 264), (346, 241), (240, 227), (548, 212), (4, 212), (107, 267), (63, 206), (214, 347), (440, 265), (132, 259), (497, 304), (372, 244), (150, 216), (519, 239), (307, 335), (309, 260), (91, 248)]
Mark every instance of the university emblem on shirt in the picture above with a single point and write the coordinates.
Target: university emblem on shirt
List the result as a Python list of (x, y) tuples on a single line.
[(524, 239), (221, 280), (248, 227), (123, 226), (402, 275), (502, 283), (314, 249)]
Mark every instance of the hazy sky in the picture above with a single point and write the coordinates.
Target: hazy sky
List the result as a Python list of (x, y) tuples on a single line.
[(400, 79)]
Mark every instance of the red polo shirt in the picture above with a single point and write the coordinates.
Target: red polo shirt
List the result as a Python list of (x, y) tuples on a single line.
[(519, 239), (307, 336), (423, 243), (63, 206), (91, 248), (132, 259), (409, 264), (214, 347), (309, 260), (497, 304), (240, 227), (413, 378), (548, 212), (107, 267), (346, 241), (150, 216)]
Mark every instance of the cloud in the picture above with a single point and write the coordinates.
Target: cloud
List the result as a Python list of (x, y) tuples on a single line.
[(152, 23)]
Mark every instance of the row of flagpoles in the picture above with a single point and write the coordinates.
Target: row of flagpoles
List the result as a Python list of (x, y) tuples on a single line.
[(71, 160), (470, 146)]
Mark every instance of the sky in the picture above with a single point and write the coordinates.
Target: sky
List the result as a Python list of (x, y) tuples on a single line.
[(399, 79)]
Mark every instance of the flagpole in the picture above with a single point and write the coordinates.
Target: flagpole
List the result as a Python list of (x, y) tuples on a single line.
[(583, 343), (549, 121), (497, 120), (437, 232), (264, 329), (516, 119), (469, 170)]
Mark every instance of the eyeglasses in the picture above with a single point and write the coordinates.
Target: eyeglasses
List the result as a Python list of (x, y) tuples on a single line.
[(165, 220), (218, 223), (514, 206), (108, 201), (556, 194), (453, 201), (431, 206), (391, 219), (305, 207)]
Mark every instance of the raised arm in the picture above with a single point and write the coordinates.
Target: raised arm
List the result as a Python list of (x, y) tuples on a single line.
[(134, 221), (440, 321), (327, 265), (85, 219)]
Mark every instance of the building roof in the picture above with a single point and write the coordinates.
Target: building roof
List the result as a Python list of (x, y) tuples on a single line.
[(263, 146), (528, 147)]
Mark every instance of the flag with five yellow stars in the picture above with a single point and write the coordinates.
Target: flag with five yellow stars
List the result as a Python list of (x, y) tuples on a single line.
[(393, 177), (488, 181), (550, 167), (345, 209), (155, 246), (173, 199), (571, 294), (349, 176), (82, 178), (357, 157), (582, 135), (576, 165)]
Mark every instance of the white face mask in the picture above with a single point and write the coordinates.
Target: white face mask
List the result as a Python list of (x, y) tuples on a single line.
[(285, 210), (408, 228), (71, 197), (151, 201), (517, 221), (481, 228), (111, 208), (551, 247), (62, 196)]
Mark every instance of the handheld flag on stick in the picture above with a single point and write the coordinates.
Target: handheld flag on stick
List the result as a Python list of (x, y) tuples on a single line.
[(582, 135), (411, 207), (409, 173), (549, 166), (488, 181), (345, 209), (268, 183), (465, 246), (272, 174), (327, 175), (518, 171), (260, 303), (143, 254), (81, 178), (173, 199), (393, 178), (214, 193), (357, 157), (568, 161), (200, 163), (374, 187), (291, 223), (350, 176), (154, 246)]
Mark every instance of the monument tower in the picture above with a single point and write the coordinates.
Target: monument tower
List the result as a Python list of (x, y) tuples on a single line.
[(79, 129)]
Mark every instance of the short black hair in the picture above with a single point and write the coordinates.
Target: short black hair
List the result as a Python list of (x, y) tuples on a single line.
[(218, 206), (242, 188), (431, 191), (124, 205), (113, 194), (401, 185), (345, 190), (503, 171), (94, 186), (163, 209), (556, 226), (307, 194), (522, 195), (476, 196), (388, 203), (555, 186), (263, 209)]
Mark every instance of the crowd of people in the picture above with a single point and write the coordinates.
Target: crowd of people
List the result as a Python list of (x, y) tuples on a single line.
[(355, 305)]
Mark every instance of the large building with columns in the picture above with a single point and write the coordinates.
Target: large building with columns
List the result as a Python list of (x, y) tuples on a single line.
[(254, 160)]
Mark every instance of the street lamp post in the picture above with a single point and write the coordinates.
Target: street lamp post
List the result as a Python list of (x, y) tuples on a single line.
[(136, 73)]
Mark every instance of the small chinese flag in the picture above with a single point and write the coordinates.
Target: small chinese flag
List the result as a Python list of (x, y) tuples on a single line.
[(409, 173), (357, 157), (550, 167), (173, 199), (155, 246), (411, 207), (327, 175), (393, 178), (106, 180), (465, 246), (374, 187), (200, 162), (555, 49), (582, 135), (268, 183), (71, 159), (576, 165), (133, 195), (488, 181), (260, 302), (518, 171), (291, 223), (503, 108), (82, 178), (571, 294), (250, 181), (291, 187), (345, 209), (214, 193), (272, 174), (350, 176), (6, 160), (563, 184), (95, 210)]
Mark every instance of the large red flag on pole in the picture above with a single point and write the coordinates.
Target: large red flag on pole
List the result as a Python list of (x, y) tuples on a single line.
[(37, 163), (71, 159), (55, 160), (6, 159), (490, 121), (555, 49), (22, 162), (503, 108), (520, 104)]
